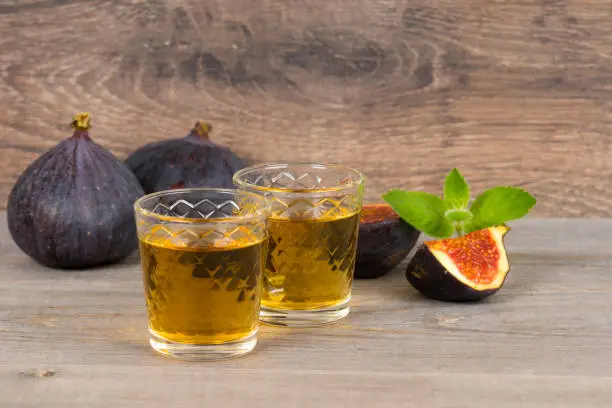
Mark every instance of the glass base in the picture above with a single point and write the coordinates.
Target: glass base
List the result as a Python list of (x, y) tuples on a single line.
[(304, 318), (203, 352)]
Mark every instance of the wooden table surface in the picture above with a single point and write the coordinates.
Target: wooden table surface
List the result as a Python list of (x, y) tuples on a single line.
[(78, 339)]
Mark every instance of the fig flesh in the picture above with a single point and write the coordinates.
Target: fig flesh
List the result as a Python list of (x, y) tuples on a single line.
[(384, 241), (467, 268), (73, 206), (190, 161)]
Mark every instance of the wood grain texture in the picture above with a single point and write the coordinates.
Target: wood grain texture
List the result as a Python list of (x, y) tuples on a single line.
[(78, 339), (511, 91)]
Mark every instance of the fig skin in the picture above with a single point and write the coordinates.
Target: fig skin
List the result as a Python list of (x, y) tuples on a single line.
[(384, 241), (427, 275), (73, 206), (191, 161)]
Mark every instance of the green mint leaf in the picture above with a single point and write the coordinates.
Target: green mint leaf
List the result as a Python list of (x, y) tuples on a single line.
[(423, 211), (497, 206), (454, 215), (456, 190)]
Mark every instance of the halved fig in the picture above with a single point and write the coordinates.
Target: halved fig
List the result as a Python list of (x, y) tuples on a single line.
[(466, 268), (384, 241)]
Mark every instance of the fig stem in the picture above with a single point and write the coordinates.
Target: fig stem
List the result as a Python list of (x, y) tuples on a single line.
[(201, 129), (81, 121)]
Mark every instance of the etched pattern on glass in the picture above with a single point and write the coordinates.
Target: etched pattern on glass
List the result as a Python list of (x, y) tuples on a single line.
[(327, 204), (300, 179), (201, 235), (203, 209), (312, 208), (310, 262), (232, 270)]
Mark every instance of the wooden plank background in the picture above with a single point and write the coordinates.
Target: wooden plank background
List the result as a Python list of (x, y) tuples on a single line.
[(514, 91)]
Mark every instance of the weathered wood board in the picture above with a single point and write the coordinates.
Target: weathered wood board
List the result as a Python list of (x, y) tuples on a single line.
[(511, 91), (78, 339)]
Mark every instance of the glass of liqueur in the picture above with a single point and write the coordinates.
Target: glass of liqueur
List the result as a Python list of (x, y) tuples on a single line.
[(313, 222), (202, 253)]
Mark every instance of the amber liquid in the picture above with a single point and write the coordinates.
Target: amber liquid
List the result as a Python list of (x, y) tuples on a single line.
[(310, 262), (204, 296)]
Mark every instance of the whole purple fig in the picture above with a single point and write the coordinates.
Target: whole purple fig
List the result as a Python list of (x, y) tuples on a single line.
[(73, 206), (190, 161)]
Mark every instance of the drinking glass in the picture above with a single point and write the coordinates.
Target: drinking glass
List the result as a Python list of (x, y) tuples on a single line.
[(202, 253), (313, 222)]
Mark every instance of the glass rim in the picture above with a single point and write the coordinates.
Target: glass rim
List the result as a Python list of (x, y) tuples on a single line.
[(262, 210), (238, 181)]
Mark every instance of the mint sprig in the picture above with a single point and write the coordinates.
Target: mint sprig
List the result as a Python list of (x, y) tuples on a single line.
[(423, 211), (441, 217), (456, 191)]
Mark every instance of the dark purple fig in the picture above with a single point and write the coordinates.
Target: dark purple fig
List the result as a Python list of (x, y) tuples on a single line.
[(384, 241), (73, 206), (461, 269), (190, 161)]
